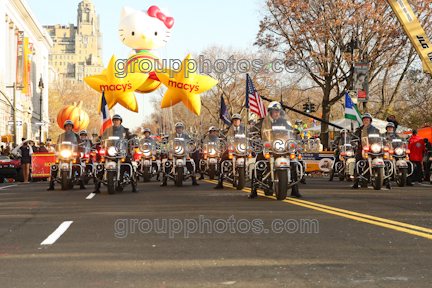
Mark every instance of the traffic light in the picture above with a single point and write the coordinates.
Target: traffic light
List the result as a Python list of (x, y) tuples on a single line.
[(306, 107), (312, 107)]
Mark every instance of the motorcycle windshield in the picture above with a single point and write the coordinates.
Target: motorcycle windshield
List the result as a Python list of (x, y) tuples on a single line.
[(67, 142), (239, 144), (177, 145), (397, 143), (115, 146), (147, 146), (276, 129), (372, 139), (114, 132)]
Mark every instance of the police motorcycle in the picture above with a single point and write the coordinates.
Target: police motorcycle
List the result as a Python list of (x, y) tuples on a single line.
[(210, 156), (280, 169), (344, 164), (86, 157), (179, 166), (235, 169), (68, 164), (374, 167), (117, 147), (398, 155), (149, 166)]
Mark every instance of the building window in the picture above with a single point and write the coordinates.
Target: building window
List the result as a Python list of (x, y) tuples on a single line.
[(85, 45), (80, 57), (80, 52), (86, 52), (80, 45), (56, 64), (68, 57), (56, 56), (60, 57), (58, 69)]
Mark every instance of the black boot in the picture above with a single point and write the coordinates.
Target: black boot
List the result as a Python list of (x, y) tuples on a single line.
[(82, 185), (253, 193), (134, 186), (303, 180), (97, 186), (201, 177), (51, 186), (331, 175), (388, 185), (194, 181), (220, 182), (164, 183), (295, 192), (355, 185)]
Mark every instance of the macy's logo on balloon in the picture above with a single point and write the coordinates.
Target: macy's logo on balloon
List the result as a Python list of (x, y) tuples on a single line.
[(181, 85), (118, 87)]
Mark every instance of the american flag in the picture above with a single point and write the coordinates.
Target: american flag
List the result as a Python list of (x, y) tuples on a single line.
[(104, 114), (253, 100)]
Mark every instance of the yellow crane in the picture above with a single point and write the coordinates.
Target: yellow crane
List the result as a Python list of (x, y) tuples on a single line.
[(414, 31)]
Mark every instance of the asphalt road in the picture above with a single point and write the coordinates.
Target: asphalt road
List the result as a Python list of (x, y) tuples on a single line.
[(358, 238)]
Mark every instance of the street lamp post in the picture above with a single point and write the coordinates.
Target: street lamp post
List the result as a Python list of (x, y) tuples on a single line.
[(41, 87)]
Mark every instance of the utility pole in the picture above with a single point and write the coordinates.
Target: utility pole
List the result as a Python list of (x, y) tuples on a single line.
[(14, 110), (41, 87)]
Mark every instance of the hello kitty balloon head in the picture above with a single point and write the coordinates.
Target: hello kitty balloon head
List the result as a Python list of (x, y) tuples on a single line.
[(147, 30)]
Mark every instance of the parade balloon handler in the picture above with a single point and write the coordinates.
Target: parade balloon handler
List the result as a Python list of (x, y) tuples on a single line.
[(417, 149), (24, 151), (426, 159)]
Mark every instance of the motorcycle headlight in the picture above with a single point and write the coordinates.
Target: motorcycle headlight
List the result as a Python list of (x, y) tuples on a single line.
[(241, 147), (147, 154), (398, 151), (112, 151), (349, 153), (375, 148), (66, 153), (212, 152), (178, 149)]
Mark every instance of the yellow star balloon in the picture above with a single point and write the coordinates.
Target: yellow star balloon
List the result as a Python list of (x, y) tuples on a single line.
[(117, 89), (185, 86)]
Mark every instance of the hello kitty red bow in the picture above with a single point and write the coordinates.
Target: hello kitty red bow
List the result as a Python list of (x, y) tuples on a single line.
[(155, 12)]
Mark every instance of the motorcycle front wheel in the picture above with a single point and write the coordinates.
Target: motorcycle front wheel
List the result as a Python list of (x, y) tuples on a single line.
[(282, 185), (111, 175), (378, 178)]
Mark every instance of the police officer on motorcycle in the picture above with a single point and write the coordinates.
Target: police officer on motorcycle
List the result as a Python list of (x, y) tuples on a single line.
[(123, 133), (362, 132), (179, 128), (343, 139), (72, 137), (84, 139), (236, 128), (390, 133), (212, 137), (276, 113)]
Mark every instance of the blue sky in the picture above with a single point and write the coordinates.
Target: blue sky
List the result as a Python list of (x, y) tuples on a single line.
[(198, 25)]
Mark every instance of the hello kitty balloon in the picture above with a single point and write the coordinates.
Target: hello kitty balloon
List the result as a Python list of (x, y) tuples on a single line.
[(145, 30)]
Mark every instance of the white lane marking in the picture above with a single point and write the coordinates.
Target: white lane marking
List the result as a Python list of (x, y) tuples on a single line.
[(381, 188), (8, 186), (426, 185), (57, 233), (90, 196)]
